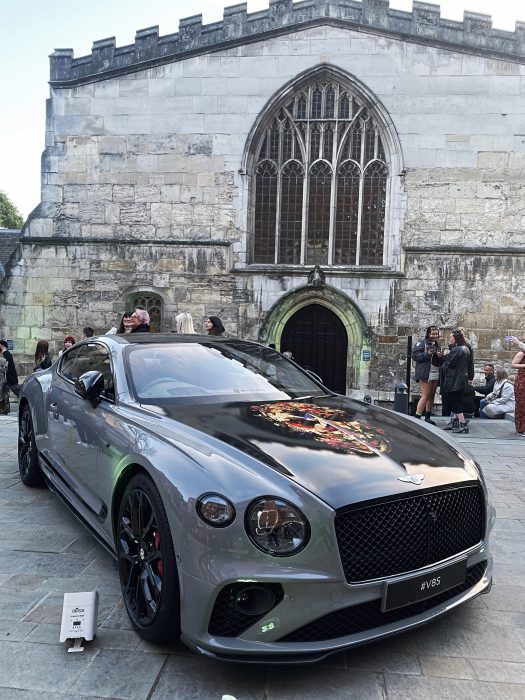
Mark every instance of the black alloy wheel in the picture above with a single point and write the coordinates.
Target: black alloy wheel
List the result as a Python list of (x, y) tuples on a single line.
[(146, 561), (28, 464)]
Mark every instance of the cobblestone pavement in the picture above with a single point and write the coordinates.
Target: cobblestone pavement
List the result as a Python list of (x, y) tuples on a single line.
[(476, 651)]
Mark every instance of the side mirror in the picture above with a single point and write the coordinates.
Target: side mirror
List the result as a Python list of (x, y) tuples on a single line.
[(89, 386)]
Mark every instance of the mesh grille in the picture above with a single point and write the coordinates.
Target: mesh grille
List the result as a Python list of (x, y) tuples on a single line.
[(227, 619), (409, 534), (368, 616)]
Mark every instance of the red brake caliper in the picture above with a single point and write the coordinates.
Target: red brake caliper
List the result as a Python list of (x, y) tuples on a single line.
[(157, 543)]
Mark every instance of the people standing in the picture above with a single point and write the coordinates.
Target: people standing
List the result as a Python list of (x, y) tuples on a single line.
[(87, 332), (125, 325), (140, 321), (488, 387), (42, 358), (12, 376), (454, 378), (184, 323), (428, 357), (4, 387), (501, 399), (519, 392), (69, 341), (213, 326)]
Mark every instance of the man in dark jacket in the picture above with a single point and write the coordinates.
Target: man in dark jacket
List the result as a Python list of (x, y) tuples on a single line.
[(12, 376), (488, 387)]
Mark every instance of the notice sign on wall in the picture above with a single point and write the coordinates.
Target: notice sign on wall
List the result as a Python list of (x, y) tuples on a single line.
[(10, 343), (366, 355)]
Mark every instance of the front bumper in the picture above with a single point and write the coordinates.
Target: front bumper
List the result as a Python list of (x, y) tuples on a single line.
[(311, 607)]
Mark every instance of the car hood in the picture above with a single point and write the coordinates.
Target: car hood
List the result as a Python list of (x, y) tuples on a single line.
[(342, 450)]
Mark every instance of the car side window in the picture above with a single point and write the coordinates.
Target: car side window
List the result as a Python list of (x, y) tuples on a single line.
[(69, 367), (86, 358)]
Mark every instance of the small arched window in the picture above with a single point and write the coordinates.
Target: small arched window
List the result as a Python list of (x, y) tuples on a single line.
[(320, 181)]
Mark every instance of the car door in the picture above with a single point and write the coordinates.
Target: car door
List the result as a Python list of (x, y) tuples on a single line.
[(76, 427)]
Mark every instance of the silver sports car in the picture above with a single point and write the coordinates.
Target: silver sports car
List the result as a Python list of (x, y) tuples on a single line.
[(252, 512)]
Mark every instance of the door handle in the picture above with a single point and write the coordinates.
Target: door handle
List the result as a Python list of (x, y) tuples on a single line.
[(54, 408)]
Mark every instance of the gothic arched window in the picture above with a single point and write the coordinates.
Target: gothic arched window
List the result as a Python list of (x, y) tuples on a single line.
[(320, 181)]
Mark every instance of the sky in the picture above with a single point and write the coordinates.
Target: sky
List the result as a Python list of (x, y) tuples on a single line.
[(31, 29)]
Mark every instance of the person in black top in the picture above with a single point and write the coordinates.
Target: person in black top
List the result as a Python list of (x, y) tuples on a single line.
[(12, 376), (427, 357), (455, 378), (213, 326), (488, 387)]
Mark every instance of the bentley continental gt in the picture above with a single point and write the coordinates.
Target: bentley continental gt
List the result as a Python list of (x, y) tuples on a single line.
[(252, 512)]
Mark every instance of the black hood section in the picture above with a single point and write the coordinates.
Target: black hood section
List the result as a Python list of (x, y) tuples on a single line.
[(342, 450)]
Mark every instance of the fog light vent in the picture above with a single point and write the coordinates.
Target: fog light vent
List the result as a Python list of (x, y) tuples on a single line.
[(239, 605)]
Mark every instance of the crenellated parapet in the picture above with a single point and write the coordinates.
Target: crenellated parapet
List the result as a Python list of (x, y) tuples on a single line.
[(424, 25)]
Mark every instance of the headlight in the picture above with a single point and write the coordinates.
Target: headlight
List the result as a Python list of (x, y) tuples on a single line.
[(276, 527), (215, 510)]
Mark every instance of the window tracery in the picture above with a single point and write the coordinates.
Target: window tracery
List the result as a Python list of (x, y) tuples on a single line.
[(320, 181)]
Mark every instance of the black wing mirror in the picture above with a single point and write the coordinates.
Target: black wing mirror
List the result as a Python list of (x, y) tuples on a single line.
[(89, 386)]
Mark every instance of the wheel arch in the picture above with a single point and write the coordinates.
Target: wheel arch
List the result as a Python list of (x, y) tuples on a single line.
[(123, 480)]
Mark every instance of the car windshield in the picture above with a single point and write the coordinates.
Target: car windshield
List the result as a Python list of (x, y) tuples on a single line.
[(214, 373)]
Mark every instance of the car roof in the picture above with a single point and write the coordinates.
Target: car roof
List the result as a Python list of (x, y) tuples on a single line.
[(150, 338)]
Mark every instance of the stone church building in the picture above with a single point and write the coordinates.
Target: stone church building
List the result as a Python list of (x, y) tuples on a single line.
[(330, 176)]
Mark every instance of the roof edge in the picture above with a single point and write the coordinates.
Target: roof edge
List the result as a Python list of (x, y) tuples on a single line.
[(423, 25)]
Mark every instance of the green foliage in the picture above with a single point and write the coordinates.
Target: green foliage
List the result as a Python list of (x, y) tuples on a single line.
[(10, 217)]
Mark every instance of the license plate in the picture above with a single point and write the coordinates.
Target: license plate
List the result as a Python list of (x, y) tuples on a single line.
[(425, 586)]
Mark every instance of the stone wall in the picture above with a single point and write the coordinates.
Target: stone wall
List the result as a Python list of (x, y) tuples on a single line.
[(144, 187)]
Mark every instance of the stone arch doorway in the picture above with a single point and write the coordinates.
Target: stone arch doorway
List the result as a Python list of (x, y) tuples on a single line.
[(318, 340), (344, 310)]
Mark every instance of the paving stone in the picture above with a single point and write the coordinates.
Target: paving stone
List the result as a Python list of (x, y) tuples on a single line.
[(43, 564), (23, 581), (446, 666), (310, 683), (500, 671), (82, 582), (134, 681), (14, 604), (430, 688), (118, 618), (13, 631), (381, 658), (38, 541), (45, 633), (511, 598), (192, 678), (41, 667)]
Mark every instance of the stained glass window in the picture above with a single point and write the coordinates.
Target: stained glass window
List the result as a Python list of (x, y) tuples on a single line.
[(320, 181)]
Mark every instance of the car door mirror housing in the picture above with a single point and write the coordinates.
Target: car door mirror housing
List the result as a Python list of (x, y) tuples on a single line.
[(89, 386)]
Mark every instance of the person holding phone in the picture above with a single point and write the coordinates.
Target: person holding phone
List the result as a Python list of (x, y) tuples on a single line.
[(427, 357)]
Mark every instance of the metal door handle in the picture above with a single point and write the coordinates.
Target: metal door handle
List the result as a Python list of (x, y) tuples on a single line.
[(54, 407)]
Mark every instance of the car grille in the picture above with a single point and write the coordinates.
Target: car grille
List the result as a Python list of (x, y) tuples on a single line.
[(399, 536), (228, 619), (367, 616)]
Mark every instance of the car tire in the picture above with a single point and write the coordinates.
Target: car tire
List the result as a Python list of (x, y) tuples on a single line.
[(28, 465), (146, 562)]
